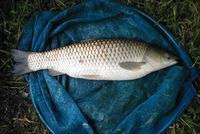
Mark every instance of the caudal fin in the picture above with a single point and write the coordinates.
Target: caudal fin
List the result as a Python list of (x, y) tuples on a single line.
[(21, 59)]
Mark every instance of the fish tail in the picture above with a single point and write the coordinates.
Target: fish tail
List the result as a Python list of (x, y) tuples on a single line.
[(21, 59)]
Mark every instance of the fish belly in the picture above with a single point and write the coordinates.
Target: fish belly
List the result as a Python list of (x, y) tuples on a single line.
[(104, 72)]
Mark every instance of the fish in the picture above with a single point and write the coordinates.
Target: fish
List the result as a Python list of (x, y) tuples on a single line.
[(101, 59)]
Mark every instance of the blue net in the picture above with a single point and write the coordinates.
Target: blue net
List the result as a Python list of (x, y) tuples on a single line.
[(78, 106)]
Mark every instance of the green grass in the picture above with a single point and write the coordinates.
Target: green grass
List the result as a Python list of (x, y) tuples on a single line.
[(17, 113)]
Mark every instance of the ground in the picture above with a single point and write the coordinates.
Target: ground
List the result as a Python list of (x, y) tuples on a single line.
[(17, 114)]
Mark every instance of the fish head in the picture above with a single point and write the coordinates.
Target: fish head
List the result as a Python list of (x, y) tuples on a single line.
[(161, 58)]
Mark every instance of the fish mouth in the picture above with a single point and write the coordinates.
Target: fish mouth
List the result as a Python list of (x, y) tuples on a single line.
[(174, 62), (179, 62)]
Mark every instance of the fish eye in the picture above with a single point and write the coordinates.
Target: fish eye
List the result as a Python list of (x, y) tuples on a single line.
[(167, 56)]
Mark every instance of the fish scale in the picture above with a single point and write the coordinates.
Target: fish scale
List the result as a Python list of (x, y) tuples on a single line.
[(102, 54), (102, 59), (112, 54)]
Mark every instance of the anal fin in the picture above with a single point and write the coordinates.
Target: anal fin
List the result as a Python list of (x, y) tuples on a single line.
[(54, 73)]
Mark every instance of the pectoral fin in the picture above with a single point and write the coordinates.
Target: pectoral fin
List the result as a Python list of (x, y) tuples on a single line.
[(131, 65), (91, 76), (54, 73)]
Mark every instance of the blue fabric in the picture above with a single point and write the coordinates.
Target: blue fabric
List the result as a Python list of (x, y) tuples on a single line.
[(75, 106)]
